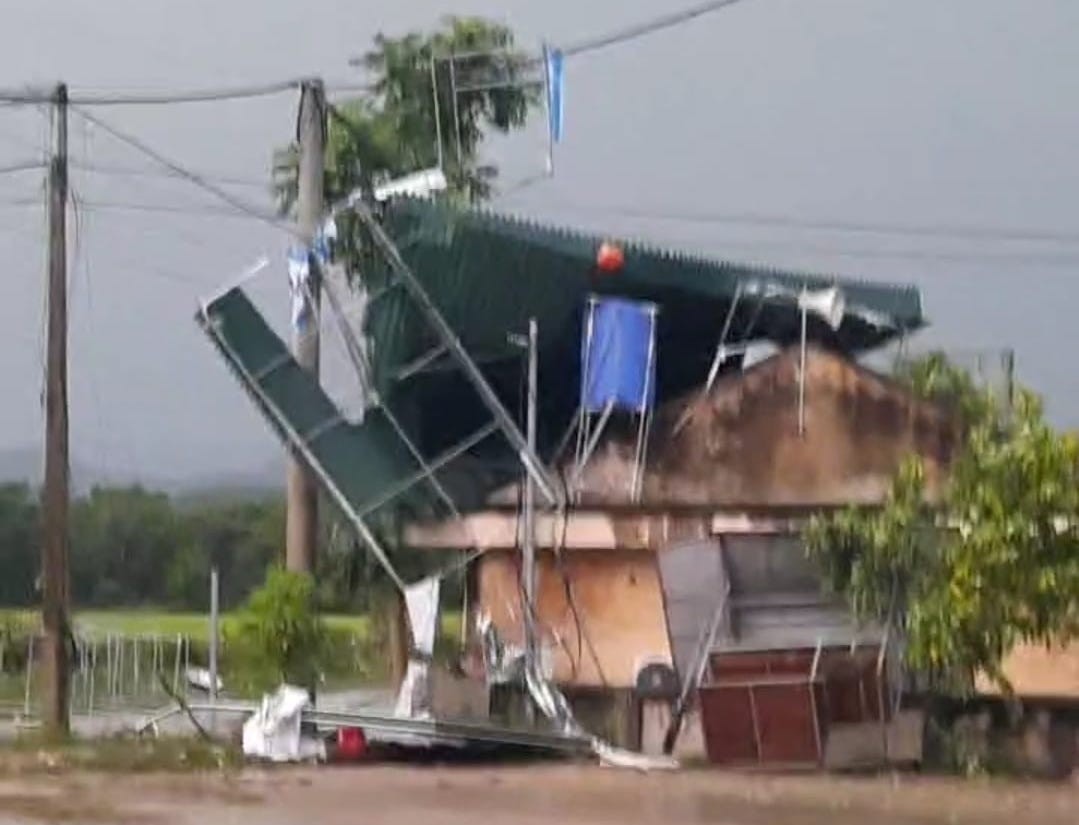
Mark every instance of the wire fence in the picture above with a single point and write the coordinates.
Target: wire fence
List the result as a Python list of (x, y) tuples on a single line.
[(108, 672), (123, 672)]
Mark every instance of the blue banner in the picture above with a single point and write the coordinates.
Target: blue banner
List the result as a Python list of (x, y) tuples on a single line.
[(555, 87)]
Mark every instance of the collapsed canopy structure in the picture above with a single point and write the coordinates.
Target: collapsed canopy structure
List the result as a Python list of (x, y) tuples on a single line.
[(448, 284)]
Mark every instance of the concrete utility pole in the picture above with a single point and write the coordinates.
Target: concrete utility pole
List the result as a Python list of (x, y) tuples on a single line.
[(55, 497), (301, 530)]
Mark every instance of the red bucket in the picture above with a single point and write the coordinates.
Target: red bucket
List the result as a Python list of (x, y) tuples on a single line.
[(351, 744)]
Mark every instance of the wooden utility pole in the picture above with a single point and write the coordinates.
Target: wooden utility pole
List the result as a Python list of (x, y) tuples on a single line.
[(301, 530), (54, 549)]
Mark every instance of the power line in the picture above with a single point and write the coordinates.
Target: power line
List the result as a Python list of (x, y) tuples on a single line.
[(121, 98), (665, 21), (116, 97), (130, 171), (207, 211), (1066, 261), (187, 174), (173, 209), (955, 231), (1063, 260), (22, 166)]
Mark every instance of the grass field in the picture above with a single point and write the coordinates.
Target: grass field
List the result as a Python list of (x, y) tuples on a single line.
[(134, 622)]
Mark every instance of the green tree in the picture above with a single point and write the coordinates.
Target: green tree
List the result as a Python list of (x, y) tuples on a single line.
[(279, 636), (122, 542), (990, 562), (19, 542), (394, 129)]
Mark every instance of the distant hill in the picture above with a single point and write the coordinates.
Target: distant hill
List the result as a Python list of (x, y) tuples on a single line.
[(25, 464)]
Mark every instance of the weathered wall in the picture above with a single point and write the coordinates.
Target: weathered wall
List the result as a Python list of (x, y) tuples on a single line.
[(618, 599), (741, 443), (1038, 672)]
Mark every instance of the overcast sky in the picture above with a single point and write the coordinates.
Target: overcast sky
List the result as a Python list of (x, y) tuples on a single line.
[(925, 112)]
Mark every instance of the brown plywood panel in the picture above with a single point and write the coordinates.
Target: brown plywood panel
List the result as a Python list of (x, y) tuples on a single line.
[(852, 689), (727, 723), (787, 723), (735, 666), (617, 597)]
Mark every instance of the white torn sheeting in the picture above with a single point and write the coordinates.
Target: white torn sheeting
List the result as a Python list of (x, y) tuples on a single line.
[(421, 601), (199, 678), (299, 274), (273, 732)]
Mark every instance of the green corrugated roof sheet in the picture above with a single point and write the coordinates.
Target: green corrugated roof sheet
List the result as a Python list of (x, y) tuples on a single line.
[(489, 273), (358, 462)]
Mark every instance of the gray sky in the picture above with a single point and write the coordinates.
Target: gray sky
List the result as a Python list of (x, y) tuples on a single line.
[(938, 112)]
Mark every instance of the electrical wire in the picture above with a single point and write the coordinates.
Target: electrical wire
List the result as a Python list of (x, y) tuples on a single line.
[(1069, 260), (22, 166), (839, 225), (633, 32), (193, 177), (194, 210), (126, 98), (117, 97), (134, 172)]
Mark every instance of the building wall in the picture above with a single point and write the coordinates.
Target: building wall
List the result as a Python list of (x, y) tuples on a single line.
[(1038, 672), (618, 599), (741, 444)]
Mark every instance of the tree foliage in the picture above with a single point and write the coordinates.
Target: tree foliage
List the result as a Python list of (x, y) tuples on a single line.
[(992, 561), (132, 547), (279, 631), (394, 129)]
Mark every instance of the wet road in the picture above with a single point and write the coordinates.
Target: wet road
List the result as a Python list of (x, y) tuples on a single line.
[(528, 795)]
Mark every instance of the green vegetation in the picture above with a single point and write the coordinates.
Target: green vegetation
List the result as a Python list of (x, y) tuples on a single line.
[(392, 130), (279, 635), (991, 561), (136, 549)]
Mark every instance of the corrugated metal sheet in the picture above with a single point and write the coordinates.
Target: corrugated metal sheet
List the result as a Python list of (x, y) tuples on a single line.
[(488, 274), (778, 602), (693, 580), (358, 462)]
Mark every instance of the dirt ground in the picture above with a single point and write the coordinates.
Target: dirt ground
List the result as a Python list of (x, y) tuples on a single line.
[(568, 795)]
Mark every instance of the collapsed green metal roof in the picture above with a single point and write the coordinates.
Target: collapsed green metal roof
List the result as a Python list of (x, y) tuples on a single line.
[(489, 273)]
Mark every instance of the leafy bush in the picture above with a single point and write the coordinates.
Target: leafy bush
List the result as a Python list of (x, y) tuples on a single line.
[(278, 635)]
